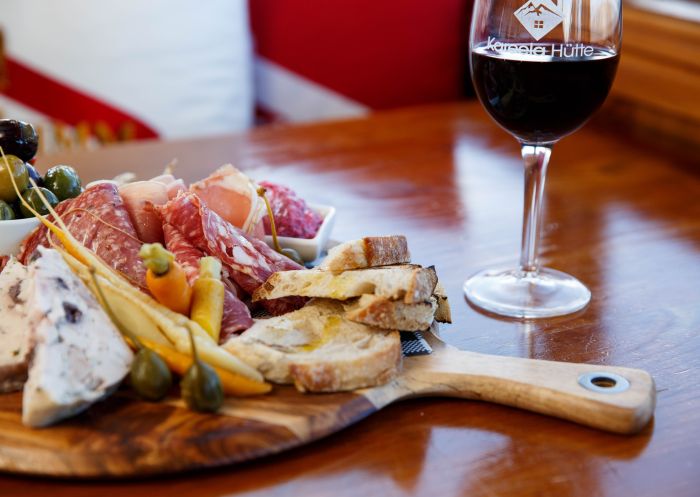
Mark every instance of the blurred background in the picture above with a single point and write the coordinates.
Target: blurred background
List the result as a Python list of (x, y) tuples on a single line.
[(94, 73)]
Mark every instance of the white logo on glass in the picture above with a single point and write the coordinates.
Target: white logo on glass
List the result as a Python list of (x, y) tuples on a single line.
[(539, 17)]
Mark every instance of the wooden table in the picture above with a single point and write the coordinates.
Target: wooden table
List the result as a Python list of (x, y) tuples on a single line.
[(624, 219)]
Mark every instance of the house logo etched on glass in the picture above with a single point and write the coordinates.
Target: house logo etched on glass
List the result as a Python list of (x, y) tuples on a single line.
[(539, 17)]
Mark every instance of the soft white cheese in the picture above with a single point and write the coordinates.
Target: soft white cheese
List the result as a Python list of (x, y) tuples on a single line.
[(79, 356), (14, 332)]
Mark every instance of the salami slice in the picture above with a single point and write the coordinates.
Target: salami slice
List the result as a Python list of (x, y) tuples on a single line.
[(98, 219), (208, 232), (236, 314), (292, 216)]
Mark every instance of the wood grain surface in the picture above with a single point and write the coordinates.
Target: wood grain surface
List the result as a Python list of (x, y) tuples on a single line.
[(620, 216), (124, 436)]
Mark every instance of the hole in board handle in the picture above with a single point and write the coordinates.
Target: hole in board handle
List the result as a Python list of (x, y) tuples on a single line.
[(604, 382)]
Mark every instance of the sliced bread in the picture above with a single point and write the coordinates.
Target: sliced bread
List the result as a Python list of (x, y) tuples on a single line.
[(443, 313), (410, 283), (389, 314), (369, 251), (319, 350)]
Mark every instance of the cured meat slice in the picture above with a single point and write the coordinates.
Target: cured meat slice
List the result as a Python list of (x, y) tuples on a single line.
[(3, 261), (236, 314), (172, 185), (98, 219), (292, 216), (233, 196), (137, 197), (208, 232)]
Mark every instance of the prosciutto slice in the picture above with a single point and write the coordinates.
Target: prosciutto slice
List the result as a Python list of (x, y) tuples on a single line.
[(236, 314), (137, 197), (3, 262), (248, 263), (98, 219)]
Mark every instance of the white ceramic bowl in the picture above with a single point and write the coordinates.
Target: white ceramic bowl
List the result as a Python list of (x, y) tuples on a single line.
[(13, 232), (310, 249)]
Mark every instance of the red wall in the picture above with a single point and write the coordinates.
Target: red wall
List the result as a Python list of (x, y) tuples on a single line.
[(382, 53)]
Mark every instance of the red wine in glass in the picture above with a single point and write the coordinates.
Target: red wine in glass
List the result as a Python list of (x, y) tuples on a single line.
[(540, 98), (540, 69)]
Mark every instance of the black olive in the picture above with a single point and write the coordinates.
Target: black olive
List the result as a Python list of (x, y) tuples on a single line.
[(18, 138)]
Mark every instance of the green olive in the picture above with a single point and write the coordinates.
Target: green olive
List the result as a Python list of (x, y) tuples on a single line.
[(6, 212), (63, 181), (33, 199), (150, 376), (201, 388), (19, 172), (293, 255)]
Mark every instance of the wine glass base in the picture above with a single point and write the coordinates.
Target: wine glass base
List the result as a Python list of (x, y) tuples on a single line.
[(526, 295)]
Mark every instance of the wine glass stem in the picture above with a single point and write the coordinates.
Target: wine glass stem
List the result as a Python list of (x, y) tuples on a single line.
[(536, 158)]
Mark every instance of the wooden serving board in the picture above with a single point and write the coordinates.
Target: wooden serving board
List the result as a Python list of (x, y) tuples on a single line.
[(124, 436)]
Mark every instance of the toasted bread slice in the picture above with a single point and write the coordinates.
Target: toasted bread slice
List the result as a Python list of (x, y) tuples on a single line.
[(369, 251), (443, 313), (319, 350), (410, 283), (389, 314)]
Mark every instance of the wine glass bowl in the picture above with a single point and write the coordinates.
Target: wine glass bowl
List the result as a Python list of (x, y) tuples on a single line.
[(540, 68)]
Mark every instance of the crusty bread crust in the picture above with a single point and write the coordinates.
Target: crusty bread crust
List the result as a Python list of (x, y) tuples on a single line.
[(390, 314), (318, 350), (443, 313), (352, 373), (370, 251), (422, 286), (386, 250)]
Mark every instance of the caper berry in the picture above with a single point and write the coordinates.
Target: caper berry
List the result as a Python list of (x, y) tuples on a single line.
[(201, 388), (150, 375), (293, 255)]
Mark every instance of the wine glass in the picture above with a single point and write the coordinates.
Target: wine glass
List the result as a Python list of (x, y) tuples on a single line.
[(541, 68)]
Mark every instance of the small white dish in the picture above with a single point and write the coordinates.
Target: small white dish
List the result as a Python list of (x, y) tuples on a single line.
[(310, 249), (13, 232)]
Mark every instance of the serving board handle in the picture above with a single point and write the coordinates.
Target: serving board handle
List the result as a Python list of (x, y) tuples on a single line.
[(615, 399)]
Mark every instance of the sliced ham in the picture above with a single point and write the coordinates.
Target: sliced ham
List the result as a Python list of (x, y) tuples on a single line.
[(233, 196), (98, 219), (236, 314), (247, 262), (137, 196)]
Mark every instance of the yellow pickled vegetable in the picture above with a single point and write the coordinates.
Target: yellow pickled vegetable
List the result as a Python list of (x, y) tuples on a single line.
[(233, 384), (208, 297)]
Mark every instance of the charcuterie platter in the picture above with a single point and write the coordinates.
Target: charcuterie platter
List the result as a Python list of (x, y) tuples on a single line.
[(152, 326)]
